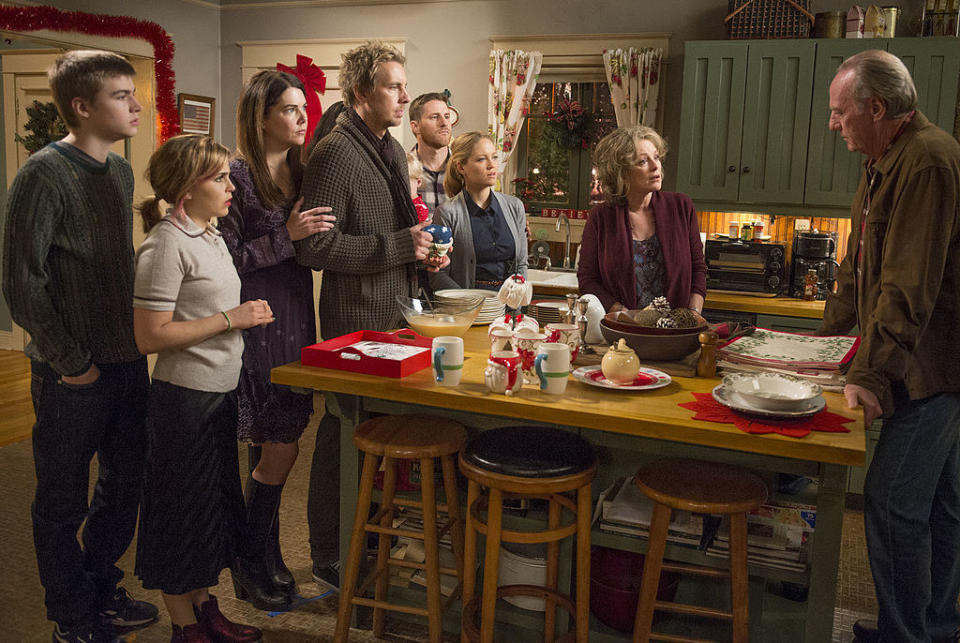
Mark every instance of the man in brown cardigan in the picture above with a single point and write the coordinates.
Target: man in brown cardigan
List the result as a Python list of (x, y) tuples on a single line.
[(370, 255)]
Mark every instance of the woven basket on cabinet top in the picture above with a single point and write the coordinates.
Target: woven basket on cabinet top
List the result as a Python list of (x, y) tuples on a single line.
[(768, 19)]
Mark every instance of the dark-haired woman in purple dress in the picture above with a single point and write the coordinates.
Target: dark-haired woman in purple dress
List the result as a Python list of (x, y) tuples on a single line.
[(263, 222)]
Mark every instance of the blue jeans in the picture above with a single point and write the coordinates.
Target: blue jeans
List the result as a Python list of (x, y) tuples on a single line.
[(912, 515), (73, 424)]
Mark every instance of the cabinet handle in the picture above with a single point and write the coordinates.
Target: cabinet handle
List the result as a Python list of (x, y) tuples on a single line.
[(732, 168), (746, 169)]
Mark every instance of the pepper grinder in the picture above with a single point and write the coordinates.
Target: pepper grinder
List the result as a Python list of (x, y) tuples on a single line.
[(582, 305), (571, 308), (707, 364)]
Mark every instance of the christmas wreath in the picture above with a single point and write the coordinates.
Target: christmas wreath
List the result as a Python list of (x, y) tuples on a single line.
[(570, 125)]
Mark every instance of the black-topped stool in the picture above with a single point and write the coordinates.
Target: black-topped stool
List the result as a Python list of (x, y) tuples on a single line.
[(406, 437), (526, 462), (703, 487)]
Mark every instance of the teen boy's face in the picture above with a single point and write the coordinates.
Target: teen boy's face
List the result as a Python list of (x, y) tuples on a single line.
[(115, 112)]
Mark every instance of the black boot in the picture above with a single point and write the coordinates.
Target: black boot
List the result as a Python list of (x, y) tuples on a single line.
[(250, 578), (276, 569)]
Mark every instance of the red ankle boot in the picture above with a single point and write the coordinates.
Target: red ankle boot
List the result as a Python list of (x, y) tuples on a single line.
[(219, 629), (189, 634)]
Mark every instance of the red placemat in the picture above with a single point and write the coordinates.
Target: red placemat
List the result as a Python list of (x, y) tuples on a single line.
[(708, 409)]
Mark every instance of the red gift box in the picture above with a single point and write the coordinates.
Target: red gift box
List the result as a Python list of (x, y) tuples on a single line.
[(339, 353)]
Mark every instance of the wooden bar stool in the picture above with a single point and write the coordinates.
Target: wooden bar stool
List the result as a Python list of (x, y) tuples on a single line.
[(704, 487), (527, 462), (392, 438)]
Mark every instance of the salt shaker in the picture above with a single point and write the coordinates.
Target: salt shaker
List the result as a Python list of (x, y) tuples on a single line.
[(707, 364)]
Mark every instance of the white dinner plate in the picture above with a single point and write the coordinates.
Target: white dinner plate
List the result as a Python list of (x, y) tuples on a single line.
[(734, 401), (651, 378)]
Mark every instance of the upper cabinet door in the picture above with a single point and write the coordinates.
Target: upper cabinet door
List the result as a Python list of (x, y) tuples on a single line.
[(934, 64), (776, 121), (711, 132), (833, 172)]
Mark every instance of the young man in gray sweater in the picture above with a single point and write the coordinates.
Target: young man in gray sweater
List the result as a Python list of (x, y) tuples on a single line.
[(68, 279)]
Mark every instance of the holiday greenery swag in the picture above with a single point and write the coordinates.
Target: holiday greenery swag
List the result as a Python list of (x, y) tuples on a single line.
[(44, 126), (570, 125)]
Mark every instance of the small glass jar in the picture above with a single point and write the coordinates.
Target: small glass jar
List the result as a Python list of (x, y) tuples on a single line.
[(757, 229), (746, 232), (734, 230)]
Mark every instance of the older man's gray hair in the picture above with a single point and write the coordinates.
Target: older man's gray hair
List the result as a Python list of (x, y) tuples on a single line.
[(879, 74)]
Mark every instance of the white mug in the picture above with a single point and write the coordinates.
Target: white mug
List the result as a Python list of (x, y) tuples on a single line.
[(447, 360), (553, 366)]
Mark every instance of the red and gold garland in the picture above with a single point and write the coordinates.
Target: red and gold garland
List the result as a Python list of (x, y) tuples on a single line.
[(36, 18)]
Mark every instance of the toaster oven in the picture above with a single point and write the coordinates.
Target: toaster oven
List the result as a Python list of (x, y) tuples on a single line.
[(745, 267)]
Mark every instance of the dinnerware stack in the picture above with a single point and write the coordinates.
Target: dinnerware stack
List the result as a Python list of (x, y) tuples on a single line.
[(822, 360), (770, 395), (548, 311), (492, 307)]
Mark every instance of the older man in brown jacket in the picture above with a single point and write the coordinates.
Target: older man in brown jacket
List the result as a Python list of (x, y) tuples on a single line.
[(900, 281), (370, 255)]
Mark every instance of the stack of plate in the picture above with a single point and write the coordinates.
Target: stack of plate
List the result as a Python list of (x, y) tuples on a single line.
[(491, 309), (548, 311), (770, 395)]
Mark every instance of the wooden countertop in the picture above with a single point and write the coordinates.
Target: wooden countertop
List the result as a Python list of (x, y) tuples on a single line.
[(785, 306), (649, 414)]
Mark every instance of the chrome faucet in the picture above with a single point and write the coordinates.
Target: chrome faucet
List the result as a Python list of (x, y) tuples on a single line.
[(566, 251)]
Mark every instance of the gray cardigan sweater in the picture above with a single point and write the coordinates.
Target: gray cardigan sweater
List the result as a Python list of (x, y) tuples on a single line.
[(463, 260), (368, 257)]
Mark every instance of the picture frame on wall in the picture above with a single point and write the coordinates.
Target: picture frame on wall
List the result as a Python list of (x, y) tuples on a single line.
[(196, 114)]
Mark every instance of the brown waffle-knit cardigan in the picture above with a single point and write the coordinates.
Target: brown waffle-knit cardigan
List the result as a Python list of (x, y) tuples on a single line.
[(368, 257)]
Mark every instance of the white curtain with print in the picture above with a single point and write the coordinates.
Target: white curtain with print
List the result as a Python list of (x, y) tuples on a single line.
[(513, 78), (634, 79)]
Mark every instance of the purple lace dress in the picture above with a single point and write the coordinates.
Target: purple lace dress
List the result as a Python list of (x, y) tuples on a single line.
[(263, 254)]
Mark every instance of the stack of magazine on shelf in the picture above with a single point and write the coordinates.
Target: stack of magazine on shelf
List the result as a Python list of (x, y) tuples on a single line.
[(412, 550), (777, 532)]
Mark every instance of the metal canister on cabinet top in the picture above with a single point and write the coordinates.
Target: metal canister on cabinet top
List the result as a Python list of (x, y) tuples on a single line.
[(829, 24), (890, 15)]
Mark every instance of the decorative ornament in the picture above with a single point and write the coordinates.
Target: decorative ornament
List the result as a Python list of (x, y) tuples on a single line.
[(454, 112), (571, 125), (314, 82), (37, 18), (44, 126), (515, 292)]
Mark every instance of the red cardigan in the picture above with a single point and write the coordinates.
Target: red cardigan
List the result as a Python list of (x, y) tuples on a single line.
[(606, 252)]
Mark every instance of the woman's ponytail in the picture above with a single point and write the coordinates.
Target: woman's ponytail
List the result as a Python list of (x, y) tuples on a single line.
[(149, 210)]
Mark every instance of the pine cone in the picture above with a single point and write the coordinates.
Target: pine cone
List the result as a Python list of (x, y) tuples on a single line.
[(659, 304)]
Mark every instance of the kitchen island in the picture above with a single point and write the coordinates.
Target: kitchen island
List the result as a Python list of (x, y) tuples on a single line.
[(627, 427)]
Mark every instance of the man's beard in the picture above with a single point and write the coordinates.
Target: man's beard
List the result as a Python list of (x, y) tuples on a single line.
[(436, 141)]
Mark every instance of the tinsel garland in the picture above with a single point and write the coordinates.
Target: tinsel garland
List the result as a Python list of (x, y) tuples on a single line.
[(36, 18)]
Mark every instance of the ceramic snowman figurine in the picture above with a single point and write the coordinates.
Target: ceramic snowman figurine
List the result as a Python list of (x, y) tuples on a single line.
[(515, 292)]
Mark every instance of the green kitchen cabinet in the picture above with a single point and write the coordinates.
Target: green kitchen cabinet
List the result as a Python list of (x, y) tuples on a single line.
[(755, 120), (746, 120), (833, 172)]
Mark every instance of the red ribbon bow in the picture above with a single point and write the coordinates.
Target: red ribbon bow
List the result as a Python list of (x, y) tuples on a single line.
[(315, 82)]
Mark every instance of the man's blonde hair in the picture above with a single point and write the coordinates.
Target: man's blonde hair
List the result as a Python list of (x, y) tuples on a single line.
[(359, 67)]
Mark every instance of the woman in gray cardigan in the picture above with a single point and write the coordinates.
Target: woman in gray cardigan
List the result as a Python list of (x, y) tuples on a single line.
[(489, 227)]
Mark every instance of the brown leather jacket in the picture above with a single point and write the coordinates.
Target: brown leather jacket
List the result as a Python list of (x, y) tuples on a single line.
[(908, 302)]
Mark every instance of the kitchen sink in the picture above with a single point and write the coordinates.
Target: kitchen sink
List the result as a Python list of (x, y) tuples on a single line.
[(552, 278)]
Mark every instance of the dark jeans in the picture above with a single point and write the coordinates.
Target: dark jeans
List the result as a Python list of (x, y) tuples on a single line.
[(912, 514), (105, 418), (323, 501)]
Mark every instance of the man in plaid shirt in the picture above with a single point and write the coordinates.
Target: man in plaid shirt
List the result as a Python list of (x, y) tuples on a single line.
[(430, 120)]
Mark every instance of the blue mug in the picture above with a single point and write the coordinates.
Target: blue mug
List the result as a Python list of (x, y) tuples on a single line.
[(441, 234)]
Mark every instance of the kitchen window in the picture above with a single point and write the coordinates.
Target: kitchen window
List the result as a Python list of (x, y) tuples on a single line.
[(553, 169)]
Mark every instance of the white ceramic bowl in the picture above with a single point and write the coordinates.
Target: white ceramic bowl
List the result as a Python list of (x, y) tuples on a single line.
[(772, 391)]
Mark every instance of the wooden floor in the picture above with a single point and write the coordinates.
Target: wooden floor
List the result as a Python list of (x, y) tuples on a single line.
[(16, 409)]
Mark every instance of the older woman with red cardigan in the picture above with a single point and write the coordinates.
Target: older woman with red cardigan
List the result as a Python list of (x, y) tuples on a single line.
[(641, 243)]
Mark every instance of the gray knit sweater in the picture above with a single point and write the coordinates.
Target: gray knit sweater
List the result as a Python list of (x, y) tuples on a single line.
[(368, 257), (68, 258)]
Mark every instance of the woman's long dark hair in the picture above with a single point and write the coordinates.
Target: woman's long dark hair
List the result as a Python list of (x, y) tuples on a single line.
[(258, 96)]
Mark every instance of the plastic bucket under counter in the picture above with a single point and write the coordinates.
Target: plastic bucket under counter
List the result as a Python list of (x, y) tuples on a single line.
[(522, 564)]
